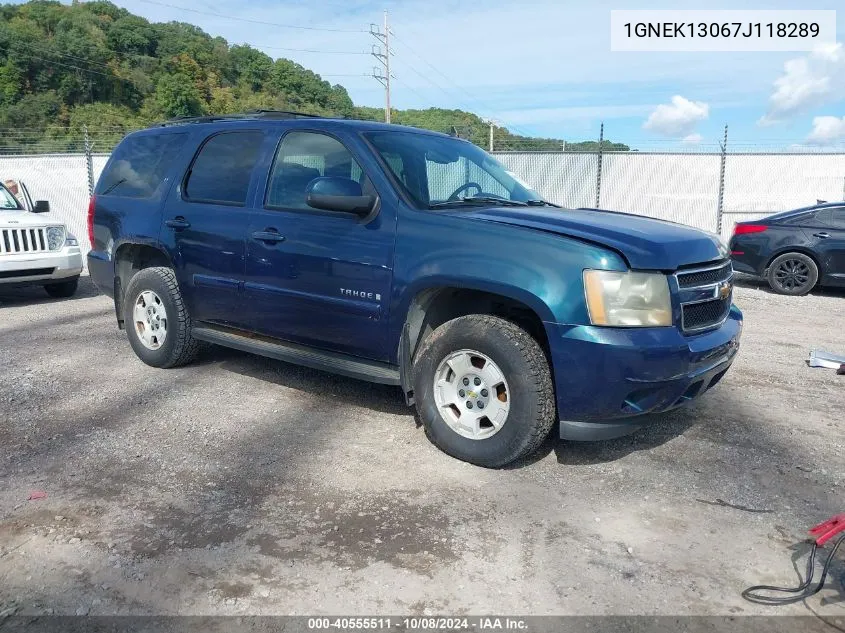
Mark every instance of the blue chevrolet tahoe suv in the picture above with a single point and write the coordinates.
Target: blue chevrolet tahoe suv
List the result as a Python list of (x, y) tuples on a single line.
[(410, 258)]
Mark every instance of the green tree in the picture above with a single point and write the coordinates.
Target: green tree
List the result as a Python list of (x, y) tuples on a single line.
[(176, 95)]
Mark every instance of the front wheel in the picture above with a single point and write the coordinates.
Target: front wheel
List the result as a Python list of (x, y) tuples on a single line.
[(484, 390), (793, 274), (62, 289)]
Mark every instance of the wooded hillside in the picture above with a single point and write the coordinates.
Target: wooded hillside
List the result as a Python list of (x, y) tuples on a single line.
[(95, 64)]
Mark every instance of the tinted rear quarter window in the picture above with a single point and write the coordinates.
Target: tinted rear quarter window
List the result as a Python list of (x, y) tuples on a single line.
[(809, 219), (139, 165), (837, 218), (222, 170)]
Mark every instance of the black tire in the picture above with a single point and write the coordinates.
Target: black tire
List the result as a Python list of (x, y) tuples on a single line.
[(793, 274), (179, 347), (523, 363), (63, 289)]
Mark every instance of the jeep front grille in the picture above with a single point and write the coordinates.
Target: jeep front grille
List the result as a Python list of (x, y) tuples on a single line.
[(701, 292), (14, 241)]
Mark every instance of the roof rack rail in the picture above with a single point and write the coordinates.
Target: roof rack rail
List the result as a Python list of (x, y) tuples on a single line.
[(240, 116)]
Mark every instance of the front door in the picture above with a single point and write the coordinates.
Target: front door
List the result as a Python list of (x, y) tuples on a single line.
[(829, 243), (321, 278), (205, 224)]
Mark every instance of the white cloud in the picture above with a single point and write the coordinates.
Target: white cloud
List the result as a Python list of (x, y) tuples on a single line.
[(692, 139), (808, 81), (569, 113), (826, 130), (677, 119)]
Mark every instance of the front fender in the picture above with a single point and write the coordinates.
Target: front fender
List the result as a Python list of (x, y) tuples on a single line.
[(539, 269)]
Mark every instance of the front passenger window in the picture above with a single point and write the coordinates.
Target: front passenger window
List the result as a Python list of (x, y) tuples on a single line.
[(302, 157)]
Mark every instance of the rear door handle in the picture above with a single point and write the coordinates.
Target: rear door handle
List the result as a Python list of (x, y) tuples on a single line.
[(270, 236), (178, 223), (824, 236)]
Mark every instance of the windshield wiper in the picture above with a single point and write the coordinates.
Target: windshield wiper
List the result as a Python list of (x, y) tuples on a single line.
[(541, 203), (478, 200)]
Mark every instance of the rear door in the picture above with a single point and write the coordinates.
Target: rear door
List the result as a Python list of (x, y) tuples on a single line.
[(205, 223), (829, 242), (317, 277)]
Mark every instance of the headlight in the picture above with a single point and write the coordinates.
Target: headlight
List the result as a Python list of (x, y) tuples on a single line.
[(71, 240), (55, 237), (627, 299)]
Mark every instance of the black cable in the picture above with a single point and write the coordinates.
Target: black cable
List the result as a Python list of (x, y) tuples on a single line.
[(751, 594)]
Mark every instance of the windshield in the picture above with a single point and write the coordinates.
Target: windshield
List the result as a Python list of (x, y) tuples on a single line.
[(443, 171), (8, 201)]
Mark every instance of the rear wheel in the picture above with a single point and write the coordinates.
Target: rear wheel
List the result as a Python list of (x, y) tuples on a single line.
[(63, 289), (793, 274), (157, 322), (484, 390)]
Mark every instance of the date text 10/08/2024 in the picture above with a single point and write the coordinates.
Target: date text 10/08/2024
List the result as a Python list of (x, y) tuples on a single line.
[(491, 623)]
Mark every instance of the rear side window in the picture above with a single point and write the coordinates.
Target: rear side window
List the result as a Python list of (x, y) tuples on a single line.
[(809, 219), (837, 218), (221, 171), (139, 165)]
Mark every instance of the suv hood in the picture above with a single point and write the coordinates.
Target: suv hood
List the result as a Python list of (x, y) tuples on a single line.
[(17, 219), (646, 243)]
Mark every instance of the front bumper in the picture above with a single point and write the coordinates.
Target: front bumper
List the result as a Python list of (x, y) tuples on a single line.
[(606, 377), (40, 268)]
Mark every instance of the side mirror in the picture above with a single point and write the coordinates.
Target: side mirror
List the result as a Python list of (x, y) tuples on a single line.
[(41, 206), (338, 194)]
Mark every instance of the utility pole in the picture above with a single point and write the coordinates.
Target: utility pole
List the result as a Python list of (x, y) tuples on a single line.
[(492, 125), (384, 59)]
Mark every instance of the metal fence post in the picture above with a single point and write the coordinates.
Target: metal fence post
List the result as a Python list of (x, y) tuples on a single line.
[(598, 171), (721, 203), (89, 160)]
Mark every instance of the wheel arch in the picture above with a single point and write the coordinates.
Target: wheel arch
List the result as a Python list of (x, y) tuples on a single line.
[(129, 258), (794, 249), (430, 306)]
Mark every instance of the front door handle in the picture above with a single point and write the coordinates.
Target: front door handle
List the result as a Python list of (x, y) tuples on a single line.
[(178, 223), (269, 236), (822, 235)]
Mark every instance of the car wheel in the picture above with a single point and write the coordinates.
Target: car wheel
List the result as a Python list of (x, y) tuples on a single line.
[(157, 320), (793, 274), (63, 289), (484, 390)]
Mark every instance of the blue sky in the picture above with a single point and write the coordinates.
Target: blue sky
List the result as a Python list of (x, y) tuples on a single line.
[(545, 67)]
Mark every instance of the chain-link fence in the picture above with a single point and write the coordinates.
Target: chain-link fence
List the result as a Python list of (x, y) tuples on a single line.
[(707, 190)]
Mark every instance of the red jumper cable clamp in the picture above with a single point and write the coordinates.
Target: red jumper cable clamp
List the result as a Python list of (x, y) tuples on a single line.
[(822, 533)]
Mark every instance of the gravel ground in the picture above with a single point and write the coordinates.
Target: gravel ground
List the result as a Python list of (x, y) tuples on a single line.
[(241, 485)]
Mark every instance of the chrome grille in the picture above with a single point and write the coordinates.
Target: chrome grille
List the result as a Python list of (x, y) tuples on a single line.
[(701, 292), (14, 241), (703, 277)]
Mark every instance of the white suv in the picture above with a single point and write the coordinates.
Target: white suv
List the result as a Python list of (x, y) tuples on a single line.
[(35, 250)]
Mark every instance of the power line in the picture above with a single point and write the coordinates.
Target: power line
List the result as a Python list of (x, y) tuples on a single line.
[(50, 51), (421, 58), (239, 19), (395, 78), (308, 50), (84, 70)]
